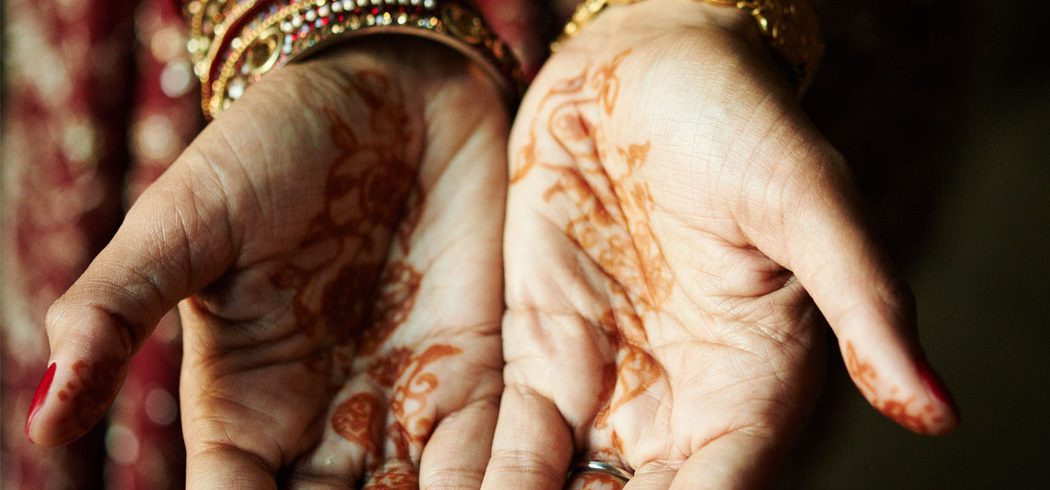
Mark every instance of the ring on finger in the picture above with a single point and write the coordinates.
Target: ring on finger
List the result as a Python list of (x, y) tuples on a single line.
[(600, 467)]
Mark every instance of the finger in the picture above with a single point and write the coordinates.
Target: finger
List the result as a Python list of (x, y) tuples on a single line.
[(652, 476), (394, 473), (459, 449), (743, 458), (818, 233), (166, 248), (228, 467), (593, 480), (532, 446)]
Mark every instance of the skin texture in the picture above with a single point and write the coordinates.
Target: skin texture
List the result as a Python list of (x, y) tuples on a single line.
[(336, 236), (675, 230)]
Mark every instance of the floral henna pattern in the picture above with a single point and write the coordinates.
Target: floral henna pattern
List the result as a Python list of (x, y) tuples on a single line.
[(408, 382), (634, 369), (606, 82), (367, 190), (610, 222), (408, 401), (614, 206), (919, 419), (636, 372), (355, 420), (395, 300)]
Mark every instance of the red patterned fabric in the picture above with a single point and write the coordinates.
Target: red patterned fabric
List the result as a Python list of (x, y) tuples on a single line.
[(99, 99), (78, 145)]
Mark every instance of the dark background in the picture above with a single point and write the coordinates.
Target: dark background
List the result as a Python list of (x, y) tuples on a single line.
[(943, 109)]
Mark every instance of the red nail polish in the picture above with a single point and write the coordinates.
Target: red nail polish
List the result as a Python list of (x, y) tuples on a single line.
[(935, 385), (39, 396)]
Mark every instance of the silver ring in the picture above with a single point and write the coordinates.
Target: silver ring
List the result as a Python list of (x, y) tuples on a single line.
[(601, 467)]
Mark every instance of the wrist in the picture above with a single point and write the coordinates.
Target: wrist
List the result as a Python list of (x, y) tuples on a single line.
[(419, 69), (643, 21), (789, 28)]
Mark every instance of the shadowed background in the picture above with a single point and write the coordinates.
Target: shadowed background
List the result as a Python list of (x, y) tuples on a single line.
[(943, 109)]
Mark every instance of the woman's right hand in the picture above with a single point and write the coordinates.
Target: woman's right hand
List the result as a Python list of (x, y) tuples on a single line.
[(337, 235)]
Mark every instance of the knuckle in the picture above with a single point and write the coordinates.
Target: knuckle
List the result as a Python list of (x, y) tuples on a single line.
[(516, 463), (54, 316), (449, 478)]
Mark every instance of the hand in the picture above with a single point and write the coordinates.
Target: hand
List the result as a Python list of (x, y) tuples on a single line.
[(671, 213), (338, 229)]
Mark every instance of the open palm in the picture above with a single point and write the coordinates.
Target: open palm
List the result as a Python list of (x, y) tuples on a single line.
[(670, 215), (338, 234)]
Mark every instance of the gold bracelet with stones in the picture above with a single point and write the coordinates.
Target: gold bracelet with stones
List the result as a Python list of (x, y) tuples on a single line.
[(235, 43)]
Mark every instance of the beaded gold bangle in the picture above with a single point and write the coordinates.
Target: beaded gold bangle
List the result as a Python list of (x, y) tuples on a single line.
[(790, 27), (235, 43)]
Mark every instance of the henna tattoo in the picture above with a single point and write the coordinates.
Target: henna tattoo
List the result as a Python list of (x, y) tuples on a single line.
[(396, 299), (636, 372), (387, 369), (356, 418), (596, 481), (406, 376), (370, 189), (611, 218), (863, 373), (394, 475), (527, 157), (617, 442), (409, 399), (609, 376), (613, 222), (90, 392), (606, 82), (343, 301), (614, 230), (920, 419)]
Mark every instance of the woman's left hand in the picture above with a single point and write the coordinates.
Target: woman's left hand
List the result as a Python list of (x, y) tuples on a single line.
[(671, 214)]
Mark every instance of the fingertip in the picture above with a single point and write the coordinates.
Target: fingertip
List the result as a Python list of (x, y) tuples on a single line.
[(904, 388), (71, 398), (532, 444), (939, 393), (39, 396), (90, 349), (458, 450)]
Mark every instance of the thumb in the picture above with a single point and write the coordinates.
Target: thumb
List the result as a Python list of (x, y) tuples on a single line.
[(815, 229), (167, 247)]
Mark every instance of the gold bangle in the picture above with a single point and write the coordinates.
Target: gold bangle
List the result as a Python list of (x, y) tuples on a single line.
[(204, 17), (254, 37), (790, 27)]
